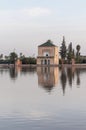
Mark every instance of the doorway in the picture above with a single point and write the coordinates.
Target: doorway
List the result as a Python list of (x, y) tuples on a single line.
[(45, 62), (48, 62)]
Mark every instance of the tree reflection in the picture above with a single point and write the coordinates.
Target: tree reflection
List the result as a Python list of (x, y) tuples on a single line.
[(22, 70), (63, 79), (78, 76), (28, 70), (70, 75), (2, 71), (13, 73), (48, 77)]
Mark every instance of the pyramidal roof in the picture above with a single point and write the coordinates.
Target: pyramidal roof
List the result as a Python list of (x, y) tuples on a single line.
[(47, 44)]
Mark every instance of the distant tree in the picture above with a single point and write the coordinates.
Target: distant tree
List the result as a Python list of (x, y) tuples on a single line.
[(70, 53), (6, 57), (78, 50), (21, 56), (13, 57), (29, 60), (1, 56), (25, 60), (70, 47), (63, 50), (73, 54), (32, 60), (78, 53)]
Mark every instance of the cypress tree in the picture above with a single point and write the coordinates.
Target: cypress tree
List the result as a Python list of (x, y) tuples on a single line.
[(63, 50)]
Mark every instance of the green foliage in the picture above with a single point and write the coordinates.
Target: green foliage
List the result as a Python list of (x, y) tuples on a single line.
[(28, 60), (32, 60), (63, 50), (21, 57), (78, 54), (78, 48), (1, 57), (13, 57), (70, 53)]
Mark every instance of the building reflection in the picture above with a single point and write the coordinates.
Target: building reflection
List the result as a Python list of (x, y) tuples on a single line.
[(47, 77)]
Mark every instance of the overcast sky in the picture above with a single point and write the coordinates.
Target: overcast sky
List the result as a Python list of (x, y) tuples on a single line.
[(24, 24)]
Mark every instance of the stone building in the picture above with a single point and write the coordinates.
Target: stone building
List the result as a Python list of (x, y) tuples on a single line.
[(48, 54)]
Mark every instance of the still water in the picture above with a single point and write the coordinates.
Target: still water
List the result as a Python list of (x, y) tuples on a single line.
[(43, 98)]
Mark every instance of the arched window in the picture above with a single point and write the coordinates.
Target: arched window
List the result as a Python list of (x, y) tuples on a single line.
[(48, 62), (45, 62), (46, 54)]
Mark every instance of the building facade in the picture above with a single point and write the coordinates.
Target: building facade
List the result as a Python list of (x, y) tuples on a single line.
[(48, 54)]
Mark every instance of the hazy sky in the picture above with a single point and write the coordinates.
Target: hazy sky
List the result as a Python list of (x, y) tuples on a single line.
[(24, 24)]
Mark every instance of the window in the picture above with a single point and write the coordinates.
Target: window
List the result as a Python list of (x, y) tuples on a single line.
[(48, 62), (46, 54)]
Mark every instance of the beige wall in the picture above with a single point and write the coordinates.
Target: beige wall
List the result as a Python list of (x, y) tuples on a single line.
[(56, 56), (39, 60), (53, 52), (41, 50)]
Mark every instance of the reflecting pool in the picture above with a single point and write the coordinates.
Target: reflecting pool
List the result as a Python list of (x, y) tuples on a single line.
[(43, 98)]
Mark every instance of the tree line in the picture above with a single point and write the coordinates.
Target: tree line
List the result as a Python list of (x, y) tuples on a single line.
[(13, 57), (69, 53)]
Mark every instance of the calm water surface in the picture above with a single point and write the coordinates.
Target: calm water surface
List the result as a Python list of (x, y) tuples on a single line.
[(43, 99)]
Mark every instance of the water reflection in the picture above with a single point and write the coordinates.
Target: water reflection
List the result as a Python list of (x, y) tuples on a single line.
[(78, 76), (71, 75), (28, 70), (71, 72), (63, 79), (68, 75), (2, 70), (47, 77), (13, 72), (23, 105)]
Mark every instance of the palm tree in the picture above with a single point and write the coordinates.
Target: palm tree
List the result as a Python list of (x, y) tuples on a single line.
[(78, 49), (78, 53)]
